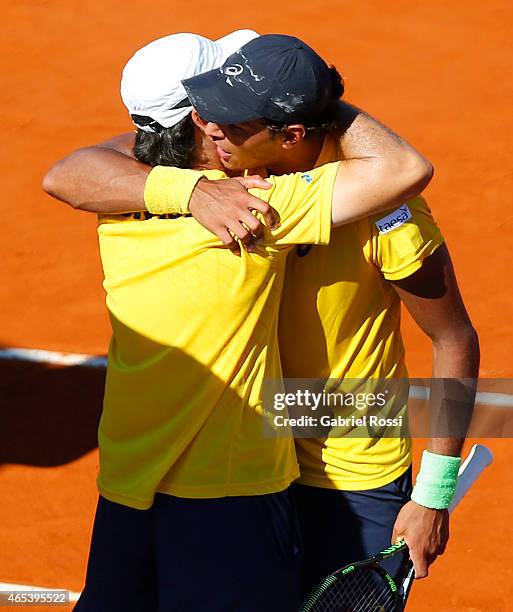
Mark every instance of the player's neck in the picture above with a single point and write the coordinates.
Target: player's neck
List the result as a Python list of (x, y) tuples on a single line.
[(300, 158)]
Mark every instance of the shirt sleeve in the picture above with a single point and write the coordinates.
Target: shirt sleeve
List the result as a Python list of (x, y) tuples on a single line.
[(403, 238), (303, 202)]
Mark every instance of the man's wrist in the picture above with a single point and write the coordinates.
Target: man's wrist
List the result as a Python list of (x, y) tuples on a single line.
[(436, 481), (168, 190)]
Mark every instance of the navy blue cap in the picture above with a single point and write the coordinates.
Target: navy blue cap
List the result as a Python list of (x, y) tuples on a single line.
[(274, 77)]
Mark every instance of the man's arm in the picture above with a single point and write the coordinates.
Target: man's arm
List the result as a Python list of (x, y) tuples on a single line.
[(378, 169), (104, 178), (432, 297)]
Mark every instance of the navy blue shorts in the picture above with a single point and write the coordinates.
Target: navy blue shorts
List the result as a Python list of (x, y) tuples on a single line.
[(339, 527), (230, 554)]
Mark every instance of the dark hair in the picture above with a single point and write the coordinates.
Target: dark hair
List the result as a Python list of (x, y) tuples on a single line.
[(325, 122), (173, 146)]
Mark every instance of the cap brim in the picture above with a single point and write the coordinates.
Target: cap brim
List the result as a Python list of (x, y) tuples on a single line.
[(215, 101)]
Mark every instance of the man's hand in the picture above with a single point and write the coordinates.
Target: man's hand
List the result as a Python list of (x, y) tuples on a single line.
[(426, 532), (224, 208)]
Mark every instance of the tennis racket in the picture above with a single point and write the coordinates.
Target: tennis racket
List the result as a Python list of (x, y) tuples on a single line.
[(364, 586)]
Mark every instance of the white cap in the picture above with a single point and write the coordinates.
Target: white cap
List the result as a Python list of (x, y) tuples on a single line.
[(151, 81)]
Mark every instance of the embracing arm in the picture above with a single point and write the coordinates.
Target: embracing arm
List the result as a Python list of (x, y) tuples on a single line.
[(432, 297), (378, 169), (104, 178)]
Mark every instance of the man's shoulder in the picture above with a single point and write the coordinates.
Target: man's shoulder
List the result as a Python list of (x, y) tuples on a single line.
[(331, 151)]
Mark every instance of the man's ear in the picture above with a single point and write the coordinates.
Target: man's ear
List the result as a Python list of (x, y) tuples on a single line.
[(207, 128), (197, 120), (294, 134)]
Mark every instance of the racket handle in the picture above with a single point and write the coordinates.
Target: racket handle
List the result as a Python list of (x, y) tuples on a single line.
[(477, 460)]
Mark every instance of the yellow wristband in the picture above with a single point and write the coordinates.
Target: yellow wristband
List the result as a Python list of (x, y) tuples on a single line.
[(168, 190)]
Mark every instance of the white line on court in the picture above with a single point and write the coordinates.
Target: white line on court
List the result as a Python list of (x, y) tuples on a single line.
[(53, 357), (503, 400), (94, 361), (6, 586)]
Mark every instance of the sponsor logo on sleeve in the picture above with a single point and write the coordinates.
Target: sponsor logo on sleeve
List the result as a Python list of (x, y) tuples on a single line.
[(394, 219)]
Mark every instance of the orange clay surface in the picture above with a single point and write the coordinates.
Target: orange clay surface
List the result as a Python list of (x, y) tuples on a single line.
[(438, 72)]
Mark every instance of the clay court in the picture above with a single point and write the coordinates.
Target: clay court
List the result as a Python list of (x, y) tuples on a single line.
[(439, 73)]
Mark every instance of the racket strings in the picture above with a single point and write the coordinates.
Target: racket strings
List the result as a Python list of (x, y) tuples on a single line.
[(363, 590)]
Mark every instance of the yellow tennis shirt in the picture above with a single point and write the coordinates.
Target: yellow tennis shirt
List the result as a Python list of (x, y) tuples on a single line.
[(194, 336), (341, 319)]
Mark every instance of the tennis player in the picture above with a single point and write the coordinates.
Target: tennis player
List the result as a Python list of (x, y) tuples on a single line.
[(361, 484), (352, 290), (184, 467)]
